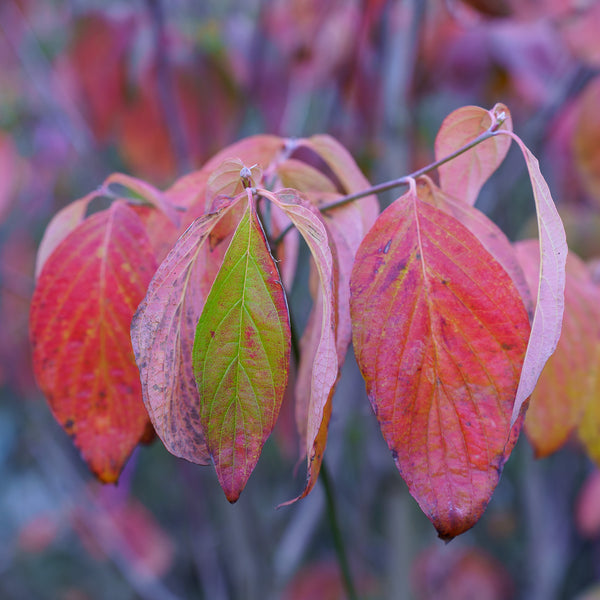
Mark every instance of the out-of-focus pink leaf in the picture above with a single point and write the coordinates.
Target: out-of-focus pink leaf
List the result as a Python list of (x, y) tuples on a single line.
[(325, 371), (464, 176), (81, 310), (566, 384), (587, 507), (241, 355), (547, 319), (439, 333), (162, 332), (450, 573)]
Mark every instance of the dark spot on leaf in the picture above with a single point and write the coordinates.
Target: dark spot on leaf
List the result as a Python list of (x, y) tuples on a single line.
[(68, 425)]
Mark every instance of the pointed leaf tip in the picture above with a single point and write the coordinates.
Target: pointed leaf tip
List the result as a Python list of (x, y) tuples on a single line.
[(241, 355), (81, 309), (439, 333)]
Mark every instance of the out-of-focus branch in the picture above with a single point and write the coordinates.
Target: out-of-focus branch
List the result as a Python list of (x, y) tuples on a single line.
[(166, 89), (68, 484)]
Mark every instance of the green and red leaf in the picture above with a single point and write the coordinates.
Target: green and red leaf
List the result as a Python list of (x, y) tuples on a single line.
[(440, 334), (86, 294), (241, 355)]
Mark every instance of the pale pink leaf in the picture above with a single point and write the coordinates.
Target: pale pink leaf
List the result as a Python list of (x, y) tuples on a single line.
[(464, 175)]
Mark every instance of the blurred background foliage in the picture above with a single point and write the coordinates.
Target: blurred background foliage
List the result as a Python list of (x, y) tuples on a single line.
[(153, 88)]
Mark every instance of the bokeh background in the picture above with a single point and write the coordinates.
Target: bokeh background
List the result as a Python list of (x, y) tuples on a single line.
[(153, 88)]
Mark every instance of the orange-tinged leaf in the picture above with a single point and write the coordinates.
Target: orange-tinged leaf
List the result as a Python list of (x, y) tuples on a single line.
[(241, 355), (316, 404), (81, 310), (439, 333), (566, 384), (547, 319), (586, 139), (162, 333), (464, 176)]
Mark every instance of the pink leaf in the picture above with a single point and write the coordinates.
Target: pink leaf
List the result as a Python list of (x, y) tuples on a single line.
[(464, 175)]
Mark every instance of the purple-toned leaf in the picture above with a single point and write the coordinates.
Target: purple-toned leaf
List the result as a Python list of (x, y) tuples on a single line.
[(162, 332)]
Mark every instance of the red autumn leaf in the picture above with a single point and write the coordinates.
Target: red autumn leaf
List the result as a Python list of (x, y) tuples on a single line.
[(439, 333), (547, 319), (315, 408), (81, 310), (464, 176), (566, 384), (241, 355), (487, 232), (97, 57), (162, 333)]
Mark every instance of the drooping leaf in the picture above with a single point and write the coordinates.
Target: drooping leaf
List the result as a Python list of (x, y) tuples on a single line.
[(547, 319), (314, 406), (241, 355), (464, 176), (162, 333), (566, 384), (439, 333), (81, 310)]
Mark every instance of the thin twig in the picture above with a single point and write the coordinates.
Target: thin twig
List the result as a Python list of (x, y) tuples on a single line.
[(404, 180)]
